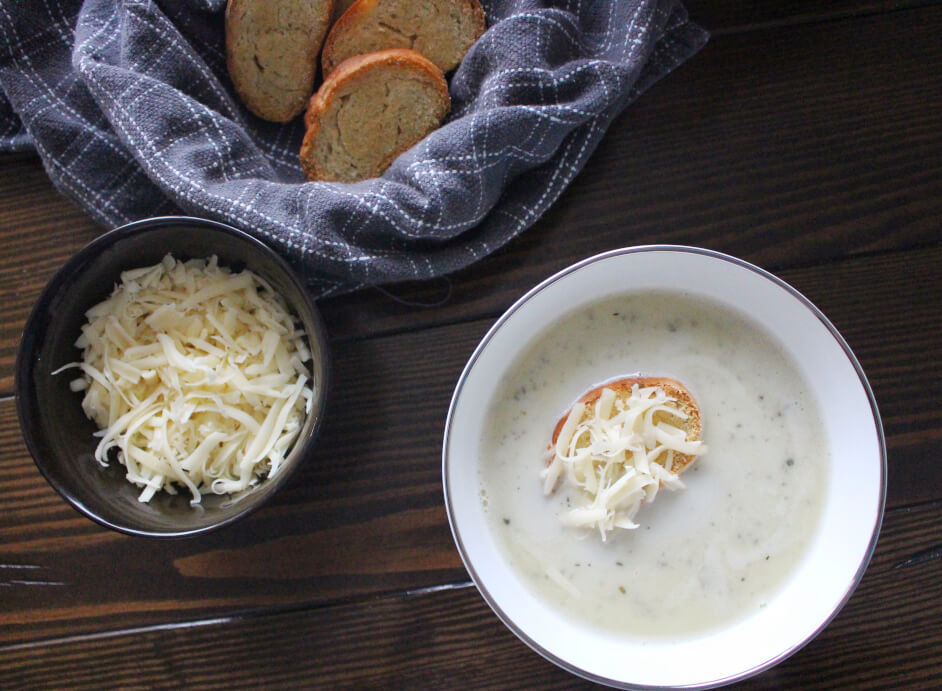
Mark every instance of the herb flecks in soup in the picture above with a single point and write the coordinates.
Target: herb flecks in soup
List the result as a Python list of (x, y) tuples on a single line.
[(618, 445), (700, 559)]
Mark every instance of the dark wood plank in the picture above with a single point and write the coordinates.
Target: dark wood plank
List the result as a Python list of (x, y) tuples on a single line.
[(888, 633), (729, 17), (39, 230), (365, 514)]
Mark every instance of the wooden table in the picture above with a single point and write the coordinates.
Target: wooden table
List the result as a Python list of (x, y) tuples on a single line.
[(805, 138)]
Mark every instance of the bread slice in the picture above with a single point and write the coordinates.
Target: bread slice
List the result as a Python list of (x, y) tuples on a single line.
[(368, 111), (271, 53), (341, 6), (683, 401), (442, 30)]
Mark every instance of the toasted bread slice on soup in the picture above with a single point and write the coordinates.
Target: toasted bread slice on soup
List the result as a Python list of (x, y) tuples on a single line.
[(442, 30), (618, 445), (271, 53), (680, 399), (368, 111)]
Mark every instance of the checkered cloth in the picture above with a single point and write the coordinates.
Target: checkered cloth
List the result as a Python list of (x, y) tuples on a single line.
[(129, 106)]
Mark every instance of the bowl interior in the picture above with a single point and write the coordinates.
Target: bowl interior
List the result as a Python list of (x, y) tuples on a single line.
[(853, 504), (57, 432)]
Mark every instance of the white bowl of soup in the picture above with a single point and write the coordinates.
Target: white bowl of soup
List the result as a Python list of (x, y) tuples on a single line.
[(775, 523)]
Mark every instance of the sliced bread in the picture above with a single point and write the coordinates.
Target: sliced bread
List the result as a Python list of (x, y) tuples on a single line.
[(271, 53), (341, 6), (368, 111), (683, 401), (442, 30)]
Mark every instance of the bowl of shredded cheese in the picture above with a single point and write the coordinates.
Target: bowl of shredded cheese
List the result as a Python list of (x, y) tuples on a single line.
[(171, 377)]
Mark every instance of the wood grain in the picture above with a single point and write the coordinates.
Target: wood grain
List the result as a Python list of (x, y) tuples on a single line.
[(887, 633), (736, 17), (39, 231), (365, 514)]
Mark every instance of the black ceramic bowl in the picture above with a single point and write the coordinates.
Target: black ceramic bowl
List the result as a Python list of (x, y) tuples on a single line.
[(55, 428)]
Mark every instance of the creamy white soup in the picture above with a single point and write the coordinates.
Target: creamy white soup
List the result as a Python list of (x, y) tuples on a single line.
[(703, 556)]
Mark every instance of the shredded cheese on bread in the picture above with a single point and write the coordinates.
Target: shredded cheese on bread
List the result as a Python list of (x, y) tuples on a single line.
[(618, 445), (196, 375)]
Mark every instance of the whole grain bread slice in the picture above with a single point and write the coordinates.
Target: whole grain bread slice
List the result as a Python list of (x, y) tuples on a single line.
[(442, 30), (368, 111), (683, 401), (272, 48)]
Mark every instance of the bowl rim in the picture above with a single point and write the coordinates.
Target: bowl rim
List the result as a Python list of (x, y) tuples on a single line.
[(716, 255), (24, 395)]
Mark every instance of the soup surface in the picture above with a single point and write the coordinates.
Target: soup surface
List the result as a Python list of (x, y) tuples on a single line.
[(704, 556)]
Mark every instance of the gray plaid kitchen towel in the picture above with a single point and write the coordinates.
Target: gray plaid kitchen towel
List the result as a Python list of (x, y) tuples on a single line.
[(129, 106)]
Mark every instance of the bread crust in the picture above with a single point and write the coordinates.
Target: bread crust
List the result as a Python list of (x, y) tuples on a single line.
[(341, 6), (273, 65), (673, 388), (346, 36), (347, 75)]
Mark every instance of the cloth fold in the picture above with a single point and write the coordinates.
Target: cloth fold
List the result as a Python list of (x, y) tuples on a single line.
[(129, 106)]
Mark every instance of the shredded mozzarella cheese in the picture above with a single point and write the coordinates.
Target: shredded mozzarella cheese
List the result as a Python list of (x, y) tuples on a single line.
[(196, 376), (618, 454)]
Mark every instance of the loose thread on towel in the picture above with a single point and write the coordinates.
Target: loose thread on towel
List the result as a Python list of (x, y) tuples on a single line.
[(415, 303)]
